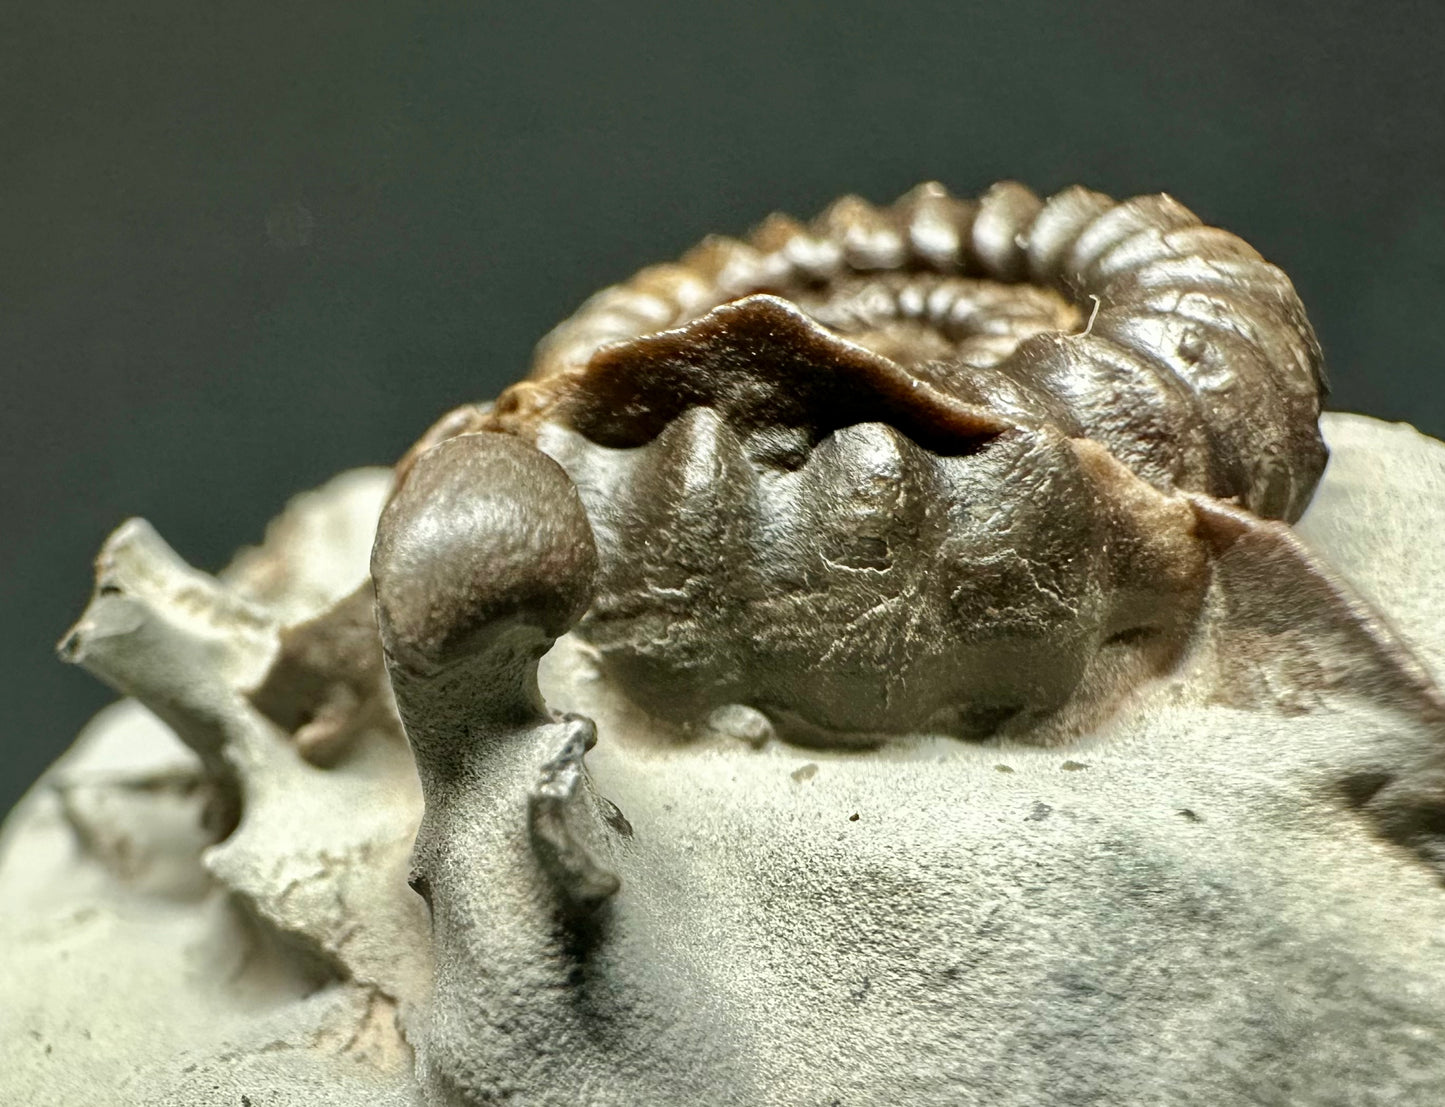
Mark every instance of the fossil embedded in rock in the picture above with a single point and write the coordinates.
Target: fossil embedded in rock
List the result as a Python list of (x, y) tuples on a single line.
[(919, 467), (684, 633)]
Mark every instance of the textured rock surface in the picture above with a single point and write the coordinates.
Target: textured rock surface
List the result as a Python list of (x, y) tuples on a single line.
[(1186, 907), (144, 964)]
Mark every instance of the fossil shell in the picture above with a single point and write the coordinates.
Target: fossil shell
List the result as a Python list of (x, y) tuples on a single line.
[(951, 469), (1173, 344), (837, 471)]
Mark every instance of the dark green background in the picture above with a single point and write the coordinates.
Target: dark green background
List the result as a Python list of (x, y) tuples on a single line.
[(247, 245)]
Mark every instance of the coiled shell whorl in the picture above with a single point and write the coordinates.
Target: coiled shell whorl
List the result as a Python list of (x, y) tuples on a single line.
[(1200, 369), (878, 472)]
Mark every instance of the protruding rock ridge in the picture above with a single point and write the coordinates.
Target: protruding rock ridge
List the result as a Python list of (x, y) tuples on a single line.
[(482, 560), (181, 644), (558, 803), (296, 874)]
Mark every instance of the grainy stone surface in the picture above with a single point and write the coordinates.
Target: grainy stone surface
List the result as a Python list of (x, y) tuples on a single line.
[(1185, 907)]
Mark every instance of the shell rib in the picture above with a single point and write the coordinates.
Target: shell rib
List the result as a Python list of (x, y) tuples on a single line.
[(1199, 370), (917, 468)]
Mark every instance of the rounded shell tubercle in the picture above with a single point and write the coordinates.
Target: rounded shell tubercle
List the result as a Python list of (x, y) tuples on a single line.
[(919, 468)]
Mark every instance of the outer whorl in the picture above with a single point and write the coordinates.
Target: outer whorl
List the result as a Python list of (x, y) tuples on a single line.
[(1174, 345), (915, 467)]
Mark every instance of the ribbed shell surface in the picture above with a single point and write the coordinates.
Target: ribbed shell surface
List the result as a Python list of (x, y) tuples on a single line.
[(1173, 344)]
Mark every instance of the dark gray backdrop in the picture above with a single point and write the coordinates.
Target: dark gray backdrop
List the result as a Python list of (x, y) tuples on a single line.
[(247, 245)]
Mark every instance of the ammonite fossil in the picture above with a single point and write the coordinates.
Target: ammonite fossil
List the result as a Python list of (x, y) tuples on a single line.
[(910, 469), (736, 651)]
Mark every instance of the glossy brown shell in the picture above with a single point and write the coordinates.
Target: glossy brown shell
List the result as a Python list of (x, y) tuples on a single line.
[(1171, 343), (876, 474)]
